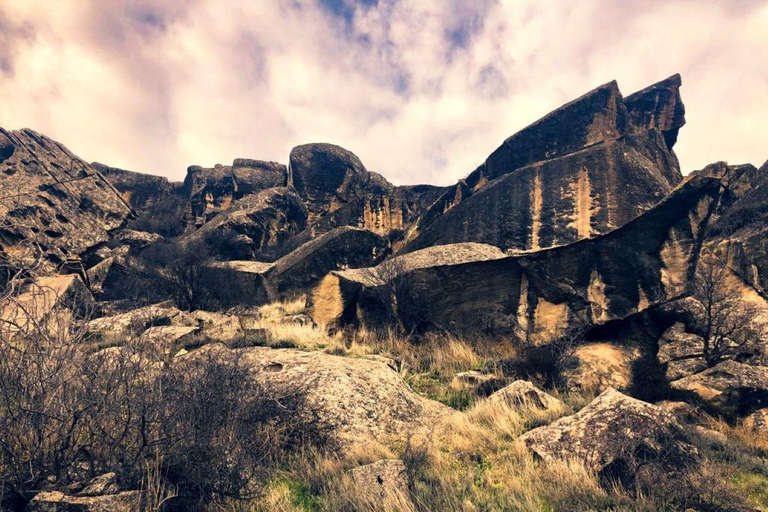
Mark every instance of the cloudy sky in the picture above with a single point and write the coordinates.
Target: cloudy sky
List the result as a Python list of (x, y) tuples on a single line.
[(421, 90)]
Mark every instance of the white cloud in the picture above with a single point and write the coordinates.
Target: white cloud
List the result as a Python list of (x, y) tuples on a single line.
[(422, 91)]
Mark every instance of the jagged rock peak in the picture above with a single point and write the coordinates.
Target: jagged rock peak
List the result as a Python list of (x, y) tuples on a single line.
[(658, 106)]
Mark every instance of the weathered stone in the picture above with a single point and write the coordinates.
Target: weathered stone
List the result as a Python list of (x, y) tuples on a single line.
[(359, 400), (735, 388), (165, 337), (681, 352), (582, 170), (383, 484), (136, 239), (658, 106), (101, 485), (254, 223), (684, 413), (523, 394), (240, 283), (595, 367), (215, 326), (646, 262), (758, 421), (613, 434), (333, 301), (55, 501), (213, 190), (44, 304), (52, 202), (132, 323), (329, 176)]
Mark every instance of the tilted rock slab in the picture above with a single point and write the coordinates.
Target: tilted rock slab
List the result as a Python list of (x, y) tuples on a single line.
[(254, 283), (360, 400), (52, 202), (611, 429), (588, 167), (646, 262)]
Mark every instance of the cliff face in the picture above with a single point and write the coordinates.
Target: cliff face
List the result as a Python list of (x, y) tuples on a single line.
[(52, 204), (585, 169)]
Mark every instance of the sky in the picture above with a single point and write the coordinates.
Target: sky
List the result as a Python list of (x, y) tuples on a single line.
[(421, 90)]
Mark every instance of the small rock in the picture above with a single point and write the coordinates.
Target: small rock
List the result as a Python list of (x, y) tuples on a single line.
[(523, 393)]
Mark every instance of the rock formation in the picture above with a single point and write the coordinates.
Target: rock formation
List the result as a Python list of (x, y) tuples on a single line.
[(648, 261), (54, 206), (587, 168)]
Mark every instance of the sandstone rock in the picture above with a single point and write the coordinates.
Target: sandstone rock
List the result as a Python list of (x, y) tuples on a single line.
[(55, 501), (213, 190), (614, 434), (731, 386), (540, 294), (681, 352), (329, 176), (595, 367), (45, 304), (584, 169), (254, 223), (215, 326), (101, 485), (54, 201), (383, 484), (165, 337), (132, 323), (658, 106), (523, 394), (758, 421), (358, 399), (241, 283), (684, 413)]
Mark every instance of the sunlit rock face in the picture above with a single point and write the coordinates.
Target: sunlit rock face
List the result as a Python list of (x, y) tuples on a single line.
[(587, 168), (53, 205), (540, 294)]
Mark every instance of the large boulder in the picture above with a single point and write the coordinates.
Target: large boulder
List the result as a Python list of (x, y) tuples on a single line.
[(584, 169), (357, 400), (540, 294), (254, 223), (615, 436), (522, 394), (730, 386), (213, 190), (329, 176), (53, 204)]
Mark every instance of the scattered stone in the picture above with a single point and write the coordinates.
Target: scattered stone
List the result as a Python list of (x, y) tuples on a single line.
[(523, 394), (383, 484), (612, 434)]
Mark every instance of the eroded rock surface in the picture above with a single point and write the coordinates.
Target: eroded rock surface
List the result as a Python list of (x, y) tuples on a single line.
[(55, 501), (52, 204), (384, 484), (523, 394), (610, 432)]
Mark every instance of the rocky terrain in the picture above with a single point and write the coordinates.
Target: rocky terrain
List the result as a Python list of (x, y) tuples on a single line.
[(576, 325)]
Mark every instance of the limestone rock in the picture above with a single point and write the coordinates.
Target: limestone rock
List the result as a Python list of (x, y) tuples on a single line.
[(55, 501), (584, 169), (681, 352), (358, 399), (609, 433), (646, 262), (254, 223), (52, 200), (383, 484), (329, 176), (523, 394), (595, 367), (734, 387)]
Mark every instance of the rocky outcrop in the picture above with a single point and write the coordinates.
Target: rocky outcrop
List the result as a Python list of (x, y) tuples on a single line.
[(758, 421), (646, 262), (681, 352), (614, 435), (213, 190), (358, 400), (583, 170), (327, 177), (254, 223), (56, 501), (595, 367), (523, 394), (732, 387), (384, 484), (52, 204)]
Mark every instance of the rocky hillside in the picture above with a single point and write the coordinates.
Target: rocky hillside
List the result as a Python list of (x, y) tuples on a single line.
[(576, 325)]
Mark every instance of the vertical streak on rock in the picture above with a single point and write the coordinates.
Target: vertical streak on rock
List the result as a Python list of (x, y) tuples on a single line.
[(583, 205), (536, 203), (522, 308)]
